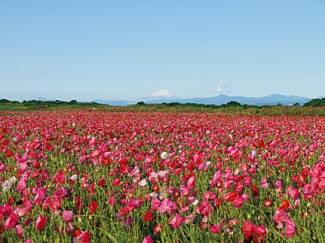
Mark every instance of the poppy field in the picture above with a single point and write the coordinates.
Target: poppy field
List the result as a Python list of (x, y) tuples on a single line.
[(96, 176)]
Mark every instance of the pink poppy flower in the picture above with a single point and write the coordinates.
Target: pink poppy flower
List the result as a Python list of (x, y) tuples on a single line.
[(67, 216), (19, 231), (176, 221), (293, 192)]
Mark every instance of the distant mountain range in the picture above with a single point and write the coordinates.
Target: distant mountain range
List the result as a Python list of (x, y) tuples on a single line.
[(115, 102), (273, 99)]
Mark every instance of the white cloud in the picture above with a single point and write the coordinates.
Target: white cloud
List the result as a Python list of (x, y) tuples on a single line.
[(220, 88), (161, 93)]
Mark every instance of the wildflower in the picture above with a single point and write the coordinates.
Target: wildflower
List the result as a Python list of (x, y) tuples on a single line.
[(147, 239), (195, 202), (215, 229), (93, 207), (267, 202), (148, 216), (164, 155), (11, 221), (253, 232), (6, 186), (40, 222), (191, 182), (157, 229), (285, 205), (281, 218), (21, 185), (82, 237), (74, 177), (143, 183), (176, 221), (293, 192), (19, 231), (67, 216), (264, 183), (167, 206)]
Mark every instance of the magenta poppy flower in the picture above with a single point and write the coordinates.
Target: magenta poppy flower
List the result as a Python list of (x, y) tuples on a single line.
[(215, 229), (148, 239)]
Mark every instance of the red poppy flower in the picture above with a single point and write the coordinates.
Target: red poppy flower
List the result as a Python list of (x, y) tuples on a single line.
[(40, 223), (267, 202), (93, 207), (11, 221), (285, 205), (148, 216)]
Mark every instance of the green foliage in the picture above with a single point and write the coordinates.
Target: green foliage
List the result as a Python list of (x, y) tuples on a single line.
[(312, 108), (233, 103), (42, 105), (316, 102)]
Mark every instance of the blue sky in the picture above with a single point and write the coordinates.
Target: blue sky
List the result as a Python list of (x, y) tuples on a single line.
[(131, 49)]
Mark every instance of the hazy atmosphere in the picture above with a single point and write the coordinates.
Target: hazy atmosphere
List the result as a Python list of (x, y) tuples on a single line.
[(132, 49)]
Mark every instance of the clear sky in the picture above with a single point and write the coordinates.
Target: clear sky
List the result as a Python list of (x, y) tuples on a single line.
[(130, 49)]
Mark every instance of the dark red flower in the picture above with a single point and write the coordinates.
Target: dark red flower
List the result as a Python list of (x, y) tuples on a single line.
[(93, 207), (148, 216)]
